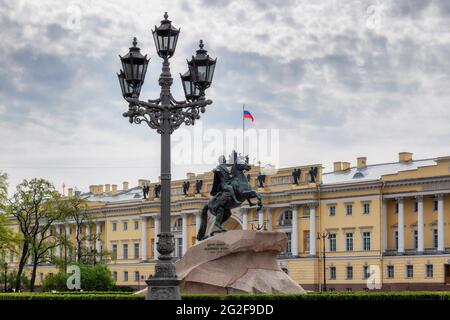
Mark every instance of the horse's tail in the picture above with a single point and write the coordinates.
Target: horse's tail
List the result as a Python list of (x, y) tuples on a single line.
[(203, 224)]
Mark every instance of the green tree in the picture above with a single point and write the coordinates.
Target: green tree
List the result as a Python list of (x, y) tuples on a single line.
[(93, 278), (36, 206)]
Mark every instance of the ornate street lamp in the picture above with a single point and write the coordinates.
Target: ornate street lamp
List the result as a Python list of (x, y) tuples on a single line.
[(323, 236), (201, 68), (134, 66), (165, 114), (191, 92)]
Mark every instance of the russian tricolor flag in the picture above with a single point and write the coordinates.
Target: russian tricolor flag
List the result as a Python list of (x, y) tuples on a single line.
[(248, 115)]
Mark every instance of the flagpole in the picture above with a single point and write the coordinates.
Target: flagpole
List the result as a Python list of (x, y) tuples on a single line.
[(243, 130)]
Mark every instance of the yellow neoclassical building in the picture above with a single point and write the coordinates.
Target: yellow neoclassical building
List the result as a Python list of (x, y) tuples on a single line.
[(392, 219)]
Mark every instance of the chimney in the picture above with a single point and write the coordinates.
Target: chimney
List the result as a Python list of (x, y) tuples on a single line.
[(405, 157), (337, 166), (345, 166), (125, 185), (190, 175), (100, 188), (107, 188), (114, 189), (143, 182), (361, 162), (70, 192), (92, 189)]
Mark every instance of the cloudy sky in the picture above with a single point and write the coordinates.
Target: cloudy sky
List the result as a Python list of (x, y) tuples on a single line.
[(339, 79)]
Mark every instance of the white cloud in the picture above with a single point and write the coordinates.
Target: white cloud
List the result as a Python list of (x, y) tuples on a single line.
[(340, 78)]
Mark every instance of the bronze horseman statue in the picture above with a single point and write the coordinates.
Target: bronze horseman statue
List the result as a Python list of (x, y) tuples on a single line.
[(229, 191)]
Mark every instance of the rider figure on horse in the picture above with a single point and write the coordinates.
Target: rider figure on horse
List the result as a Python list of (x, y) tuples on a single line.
[(222, 180)]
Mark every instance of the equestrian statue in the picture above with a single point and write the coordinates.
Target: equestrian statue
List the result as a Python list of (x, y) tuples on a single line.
[(230, 189)]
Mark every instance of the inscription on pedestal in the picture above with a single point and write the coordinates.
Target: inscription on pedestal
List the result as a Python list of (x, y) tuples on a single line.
[(216, 248)]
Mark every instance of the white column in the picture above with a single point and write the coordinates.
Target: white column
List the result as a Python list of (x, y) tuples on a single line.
[(198, 221), (420, 238), (88, 235), (294, 234), (312, 229), (184, 232), (155, 246), (385, 225), (144, 238), (58, 235), (98, 241), (441, 246), (400, 226), (261, 219), (244, 219)]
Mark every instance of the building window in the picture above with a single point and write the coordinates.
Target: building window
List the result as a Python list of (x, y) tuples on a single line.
[(286, 218), (115, 275), (349, 272), (136, 250), (416, 206), (396, 207), (435, 238), (137, 276), (332, 242), (306, 211), (125, 251), (125, 226), (409, 271), (332, 211), (125, 276), (416, 239), (396, 239), (349, 209), (136, 225), (390, 272), (332, 273), (305, 241), (435, 205), (366, 272), (114, 251), (349, 241), (429, 271), (366, 240), (179, 247), (288, 250), (178, 225), (114, 226), (41, 277), (366, 208)]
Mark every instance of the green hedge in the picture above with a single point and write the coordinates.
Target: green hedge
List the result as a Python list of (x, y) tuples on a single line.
[(361, 296), (365, 296)]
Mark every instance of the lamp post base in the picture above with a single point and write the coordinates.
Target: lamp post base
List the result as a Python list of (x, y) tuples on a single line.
[(163, 289), (164, 285)]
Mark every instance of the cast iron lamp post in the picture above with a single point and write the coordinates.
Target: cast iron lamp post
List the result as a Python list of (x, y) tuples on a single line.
[(323, 236), (165, 114)]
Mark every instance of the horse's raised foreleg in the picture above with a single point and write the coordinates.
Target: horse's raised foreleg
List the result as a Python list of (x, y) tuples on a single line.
[(203, 224)]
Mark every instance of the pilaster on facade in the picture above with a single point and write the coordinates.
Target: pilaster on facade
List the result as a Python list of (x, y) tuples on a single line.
[(156, 231), (440, 222), (244, 213), (401, 225), (312, 228), (294, 233)]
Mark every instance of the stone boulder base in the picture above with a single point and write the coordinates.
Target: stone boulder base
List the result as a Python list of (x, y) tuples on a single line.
[(237, 261)]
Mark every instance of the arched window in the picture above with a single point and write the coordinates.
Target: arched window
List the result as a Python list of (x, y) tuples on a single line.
[(178, 224), (285, 218)]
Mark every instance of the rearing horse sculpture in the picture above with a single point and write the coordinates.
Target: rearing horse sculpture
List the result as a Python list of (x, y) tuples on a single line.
[(229, 191)]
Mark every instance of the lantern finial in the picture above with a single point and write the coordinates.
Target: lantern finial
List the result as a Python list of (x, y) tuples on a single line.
[(201, 44), (134, 42), (166, 15)]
